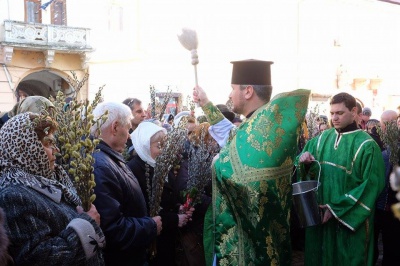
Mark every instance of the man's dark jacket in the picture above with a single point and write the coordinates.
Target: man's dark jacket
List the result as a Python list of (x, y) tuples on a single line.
[(121, 205)]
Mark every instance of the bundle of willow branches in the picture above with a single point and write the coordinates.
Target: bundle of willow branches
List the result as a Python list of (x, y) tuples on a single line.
[(163, 106), (190, 103), (391, 137), (158, 108), (73, 138), (200, 156), (229, 105), (76, 83), (153, 101), (312, 122), (172, 148)]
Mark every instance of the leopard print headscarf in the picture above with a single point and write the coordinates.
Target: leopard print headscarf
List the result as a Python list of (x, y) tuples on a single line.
[(23, 160)]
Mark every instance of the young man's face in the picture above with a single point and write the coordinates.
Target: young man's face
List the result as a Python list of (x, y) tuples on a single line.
[(138, 114), (341, 116)]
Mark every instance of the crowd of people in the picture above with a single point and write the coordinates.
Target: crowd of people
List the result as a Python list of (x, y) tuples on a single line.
[(245, 157)]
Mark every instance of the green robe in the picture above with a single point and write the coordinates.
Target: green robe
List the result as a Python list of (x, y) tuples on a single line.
[(248, 221), (352, 176)]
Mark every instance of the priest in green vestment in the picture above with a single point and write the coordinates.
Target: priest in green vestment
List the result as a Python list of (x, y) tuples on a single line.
[(352, 176), (248, 220)]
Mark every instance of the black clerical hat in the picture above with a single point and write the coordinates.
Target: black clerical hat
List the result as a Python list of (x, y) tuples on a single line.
[(251, 72)]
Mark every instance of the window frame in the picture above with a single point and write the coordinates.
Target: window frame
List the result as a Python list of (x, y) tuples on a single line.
[(27, 11), (53, 12)]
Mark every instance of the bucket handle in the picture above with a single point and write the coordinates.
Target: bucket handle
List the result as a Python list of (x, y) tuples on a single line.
[(319, 172)]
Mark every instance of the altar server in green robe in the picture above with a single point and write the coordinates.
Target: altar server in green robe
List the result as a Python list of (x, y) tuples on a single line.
[(352, 177), (248, 221)]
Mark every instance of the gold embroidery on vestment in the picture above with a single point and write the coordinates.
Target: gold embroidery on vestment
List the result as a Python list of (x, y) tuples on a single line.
[(212, 113), (358, 202)]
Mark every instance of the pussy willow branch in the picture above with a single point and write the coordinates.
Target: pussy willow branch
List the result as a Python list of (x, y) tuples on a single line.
[(391, 137), (200, 159), (153, 101), (173, 146), (311, 119), (75, 142), (190, 103), (167, 97)]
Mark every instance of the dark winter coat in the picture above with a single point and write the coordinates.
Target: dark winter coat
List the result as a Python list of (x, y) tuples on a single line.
[(43, 236), (5, 258), (3, 119), (169, 212), (121, 204)]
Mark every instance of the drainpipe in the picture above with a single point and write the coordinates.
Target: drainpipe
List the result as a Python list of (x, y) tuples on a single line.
[(8, 77)]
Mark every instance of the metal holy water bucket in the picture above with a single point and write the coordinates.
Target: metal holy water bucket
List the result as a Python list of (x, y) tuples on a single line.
[(305, 202)]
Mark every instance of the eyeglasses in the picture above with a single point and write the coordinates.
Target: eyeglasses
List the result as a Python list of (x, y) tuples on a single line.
[(159, 144)]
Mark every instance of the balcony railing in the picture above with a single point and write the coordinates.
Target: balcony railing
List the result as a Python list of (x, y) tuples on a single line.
[(42, 36)]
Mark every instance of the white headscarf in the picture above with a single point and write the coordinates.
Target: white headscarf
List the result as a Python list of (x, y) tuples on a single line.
[(179, 116), (141, 140)]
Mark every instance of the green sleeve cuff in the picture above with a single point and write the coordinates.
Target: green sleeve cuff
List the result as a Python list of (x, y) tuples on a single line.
[(212, 113)]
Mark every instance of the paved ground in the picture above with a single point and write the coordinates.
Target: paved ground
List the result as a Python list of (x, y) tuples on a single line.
[(298, 256)]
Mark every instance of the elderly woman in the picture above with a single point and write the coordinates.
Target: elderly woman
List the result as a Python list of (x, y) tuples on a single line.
[(34, 104), (44, 220), (148, 141)]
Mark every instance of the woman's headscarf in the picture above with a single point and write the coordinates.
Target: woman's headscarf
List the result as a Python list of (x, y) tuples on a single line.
[(141, 140), (23, 159), (33, 104), (179, 116)]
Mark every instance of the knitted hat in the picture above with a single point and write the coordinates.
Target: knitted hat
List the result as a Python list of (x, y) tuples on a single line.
[(366, 111)]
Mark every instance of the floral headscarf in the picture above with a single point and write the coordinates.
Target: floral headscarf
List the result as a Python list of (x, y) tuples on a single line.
[(33, 104), (23, 160)]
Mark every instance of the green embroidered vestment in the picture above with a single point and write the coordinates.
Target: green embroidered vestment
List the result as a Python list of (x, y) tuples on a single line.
[(352, 177), (248, 222)]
